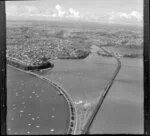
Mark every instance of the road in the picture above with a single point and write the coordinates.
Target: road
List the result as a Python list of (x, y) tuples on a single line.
[(84, 80), (122, 111), (34, 106), (102, 97)]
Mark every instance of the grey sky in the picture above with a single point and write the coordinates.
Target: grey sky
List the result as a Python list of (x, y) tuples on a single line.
[(112, 10)]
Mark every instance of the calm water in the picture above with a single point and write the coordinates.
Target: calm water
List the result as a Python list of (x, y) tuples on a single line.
[(84, 79), (34, 107), (122, 109)]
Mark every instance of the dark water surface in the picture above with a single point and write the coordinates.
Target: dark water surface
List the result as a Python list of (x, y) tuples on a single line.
[(34, 106)]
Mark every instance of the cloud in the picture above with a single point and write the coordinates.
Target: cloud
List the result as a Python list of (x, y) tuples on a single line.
[(70, 13), (32, 11), (11, 10), (133, 16), (137, 15), (60, 12), (74, 13)]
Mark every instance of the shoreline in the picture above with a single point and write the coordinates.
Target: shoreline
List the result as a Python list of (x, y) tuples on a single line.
[(130, 56), (73, 113), (122, 52), (78, 122), (101, 98), (20, 64), (49, 65), (45, 66)]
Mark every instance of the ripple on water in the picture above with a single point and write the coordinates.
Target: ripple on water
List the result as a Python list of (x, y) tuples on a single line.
[(26, 112), (28, 132), (29, 124), (52, 130), (33, 118), (53, 116)]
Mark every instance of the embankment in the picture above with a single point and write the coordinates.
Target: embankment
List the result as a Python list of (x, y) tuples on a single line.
[(19, 64)]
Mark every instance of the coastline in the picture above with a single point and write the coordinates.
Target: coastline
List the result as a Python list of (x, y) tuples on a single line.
[(130, 56), (124, 52), (74, 123), (45, 65), (73, 114), (84, 107), (91, 117), (125, 96), (20, 64), (81, 75)]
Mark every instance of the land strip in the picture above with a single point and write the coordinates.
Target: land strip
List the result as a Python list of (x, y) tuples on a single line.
[(90, 119), (72, 121)]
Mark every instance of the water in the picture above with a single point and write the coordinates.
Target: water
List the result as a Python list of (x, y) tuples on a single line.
[(83, 79), (34, 106), (122, 111)]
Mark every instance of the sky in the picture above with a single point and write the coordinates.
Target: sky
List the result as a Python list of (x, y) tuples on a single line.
[(114, 11)]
